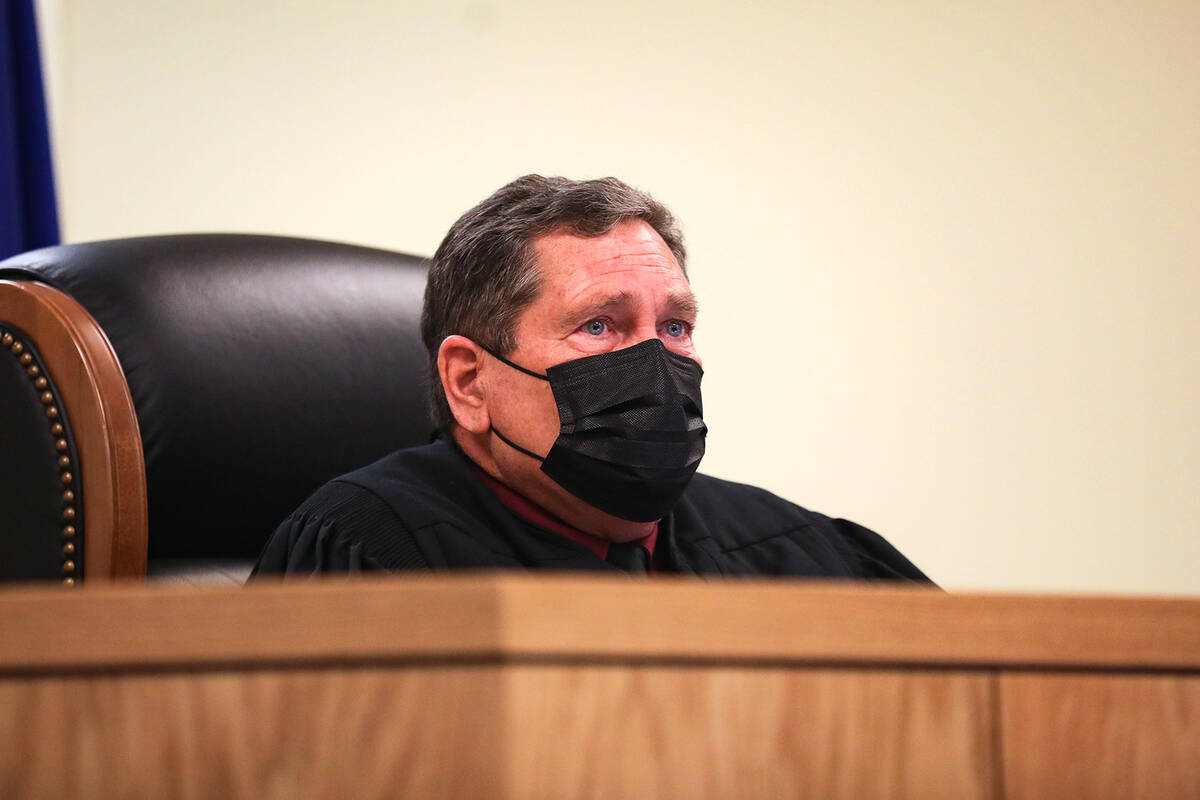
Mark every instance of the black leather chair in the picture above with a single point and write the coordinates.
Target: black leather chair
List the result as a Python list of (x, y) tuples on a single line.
[(167, 400)]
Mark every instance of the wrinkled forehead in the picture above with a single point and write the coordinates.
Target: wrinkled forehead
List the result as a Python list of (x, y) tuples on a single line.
[(630, 247)]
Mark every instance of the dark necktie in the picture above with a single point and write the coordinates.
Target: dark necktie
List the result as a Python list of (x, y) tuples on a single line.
[(629, 556)]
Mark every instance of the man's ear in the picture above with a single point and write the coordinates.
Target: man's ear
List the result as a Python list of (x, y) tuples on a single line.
[(459, 360)]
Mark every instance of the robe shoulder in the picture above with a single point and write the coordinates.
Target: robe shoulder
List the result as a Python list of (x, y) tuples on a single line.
[(342, 527), (418, 508), (757, 532)]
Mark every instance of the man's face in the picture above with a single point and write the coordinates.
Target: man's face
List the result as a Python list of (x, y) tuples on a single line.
[(597, 295)]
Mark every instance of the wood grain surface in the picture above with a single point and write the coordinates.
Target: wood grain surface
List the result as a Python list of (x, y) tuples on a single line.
[(587, 732), (515, 616), (537, 686), (294, 734), (1083, 736), (517, 732), (92, 385)]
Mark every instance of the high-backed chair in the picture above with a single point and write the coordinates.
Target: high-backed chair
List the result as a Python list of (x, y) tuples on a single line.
[(168, 400)]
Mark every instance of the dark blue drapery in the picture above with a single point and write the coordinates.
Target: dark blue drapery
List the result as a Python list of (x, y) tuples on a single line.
[(28, 218)]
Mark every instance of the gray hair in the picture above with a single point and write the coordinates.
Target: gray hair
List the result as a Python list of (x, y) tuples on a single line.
[(483, 274)]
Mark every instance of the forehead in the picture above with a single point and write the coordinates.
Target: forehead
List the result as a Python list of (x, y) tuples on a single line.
[(631, 255)]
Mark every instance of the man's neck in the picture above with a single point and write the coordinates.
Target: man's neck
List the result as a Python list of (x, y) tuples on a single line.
[(549, 495)]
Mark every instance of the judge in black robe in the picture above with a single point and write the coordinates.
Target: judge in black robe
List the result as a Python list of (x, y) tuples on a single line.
[(558, 318)]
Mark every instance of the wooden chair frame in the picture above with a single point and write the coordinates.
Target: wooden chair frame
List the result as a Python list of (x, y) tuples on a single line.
[(111, 470)]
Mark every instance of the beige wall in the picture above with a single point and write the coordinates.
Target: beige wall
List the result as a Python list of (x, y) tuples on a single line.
[(948, 252)]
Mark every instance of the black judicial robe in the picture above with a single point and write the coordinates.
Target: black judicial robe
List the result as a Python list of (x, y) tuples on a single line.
[(427, 508)]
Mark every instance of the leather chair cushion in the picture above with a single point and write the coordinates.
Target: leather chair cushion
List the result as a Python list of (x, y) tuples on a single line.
[(30, 489)]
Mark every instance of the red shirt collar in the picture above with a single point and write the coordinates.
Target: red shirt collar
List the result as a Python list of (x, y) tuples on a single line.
[(526, 509)]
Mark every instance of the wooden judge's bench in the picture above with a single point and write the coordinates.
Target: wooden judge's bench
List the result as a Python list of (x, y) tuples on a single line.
[(506, 686)]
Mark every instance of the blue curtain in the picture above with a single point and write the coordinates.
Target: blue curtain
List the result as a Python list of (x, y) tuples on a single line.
[(28, 217)]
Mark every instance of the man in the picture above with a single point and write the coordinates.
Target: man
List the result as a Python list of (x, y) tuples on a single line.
[(566, 385)]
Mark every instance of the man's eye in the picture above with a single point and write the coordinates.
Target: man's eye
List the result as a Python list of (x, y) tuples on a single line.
[(596, 327), (676, 329)]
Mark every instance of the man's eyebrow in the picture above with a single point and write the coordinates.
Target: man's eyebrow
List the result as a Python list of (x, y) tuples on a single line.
[(575, 316), (684, 304)]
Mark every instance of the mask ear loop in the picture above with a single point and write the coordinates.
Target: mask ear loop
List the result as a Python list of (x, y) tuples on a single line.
[(514, 445), (491, 427), (517, 367)]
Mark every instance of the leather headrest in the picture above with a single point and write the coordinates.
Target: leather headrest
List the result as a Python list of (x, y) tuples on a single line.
[(259, 366)]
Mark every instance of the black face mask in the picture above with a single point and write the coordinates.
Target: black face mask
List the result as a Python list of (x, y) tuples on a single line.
[(632, 433)]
